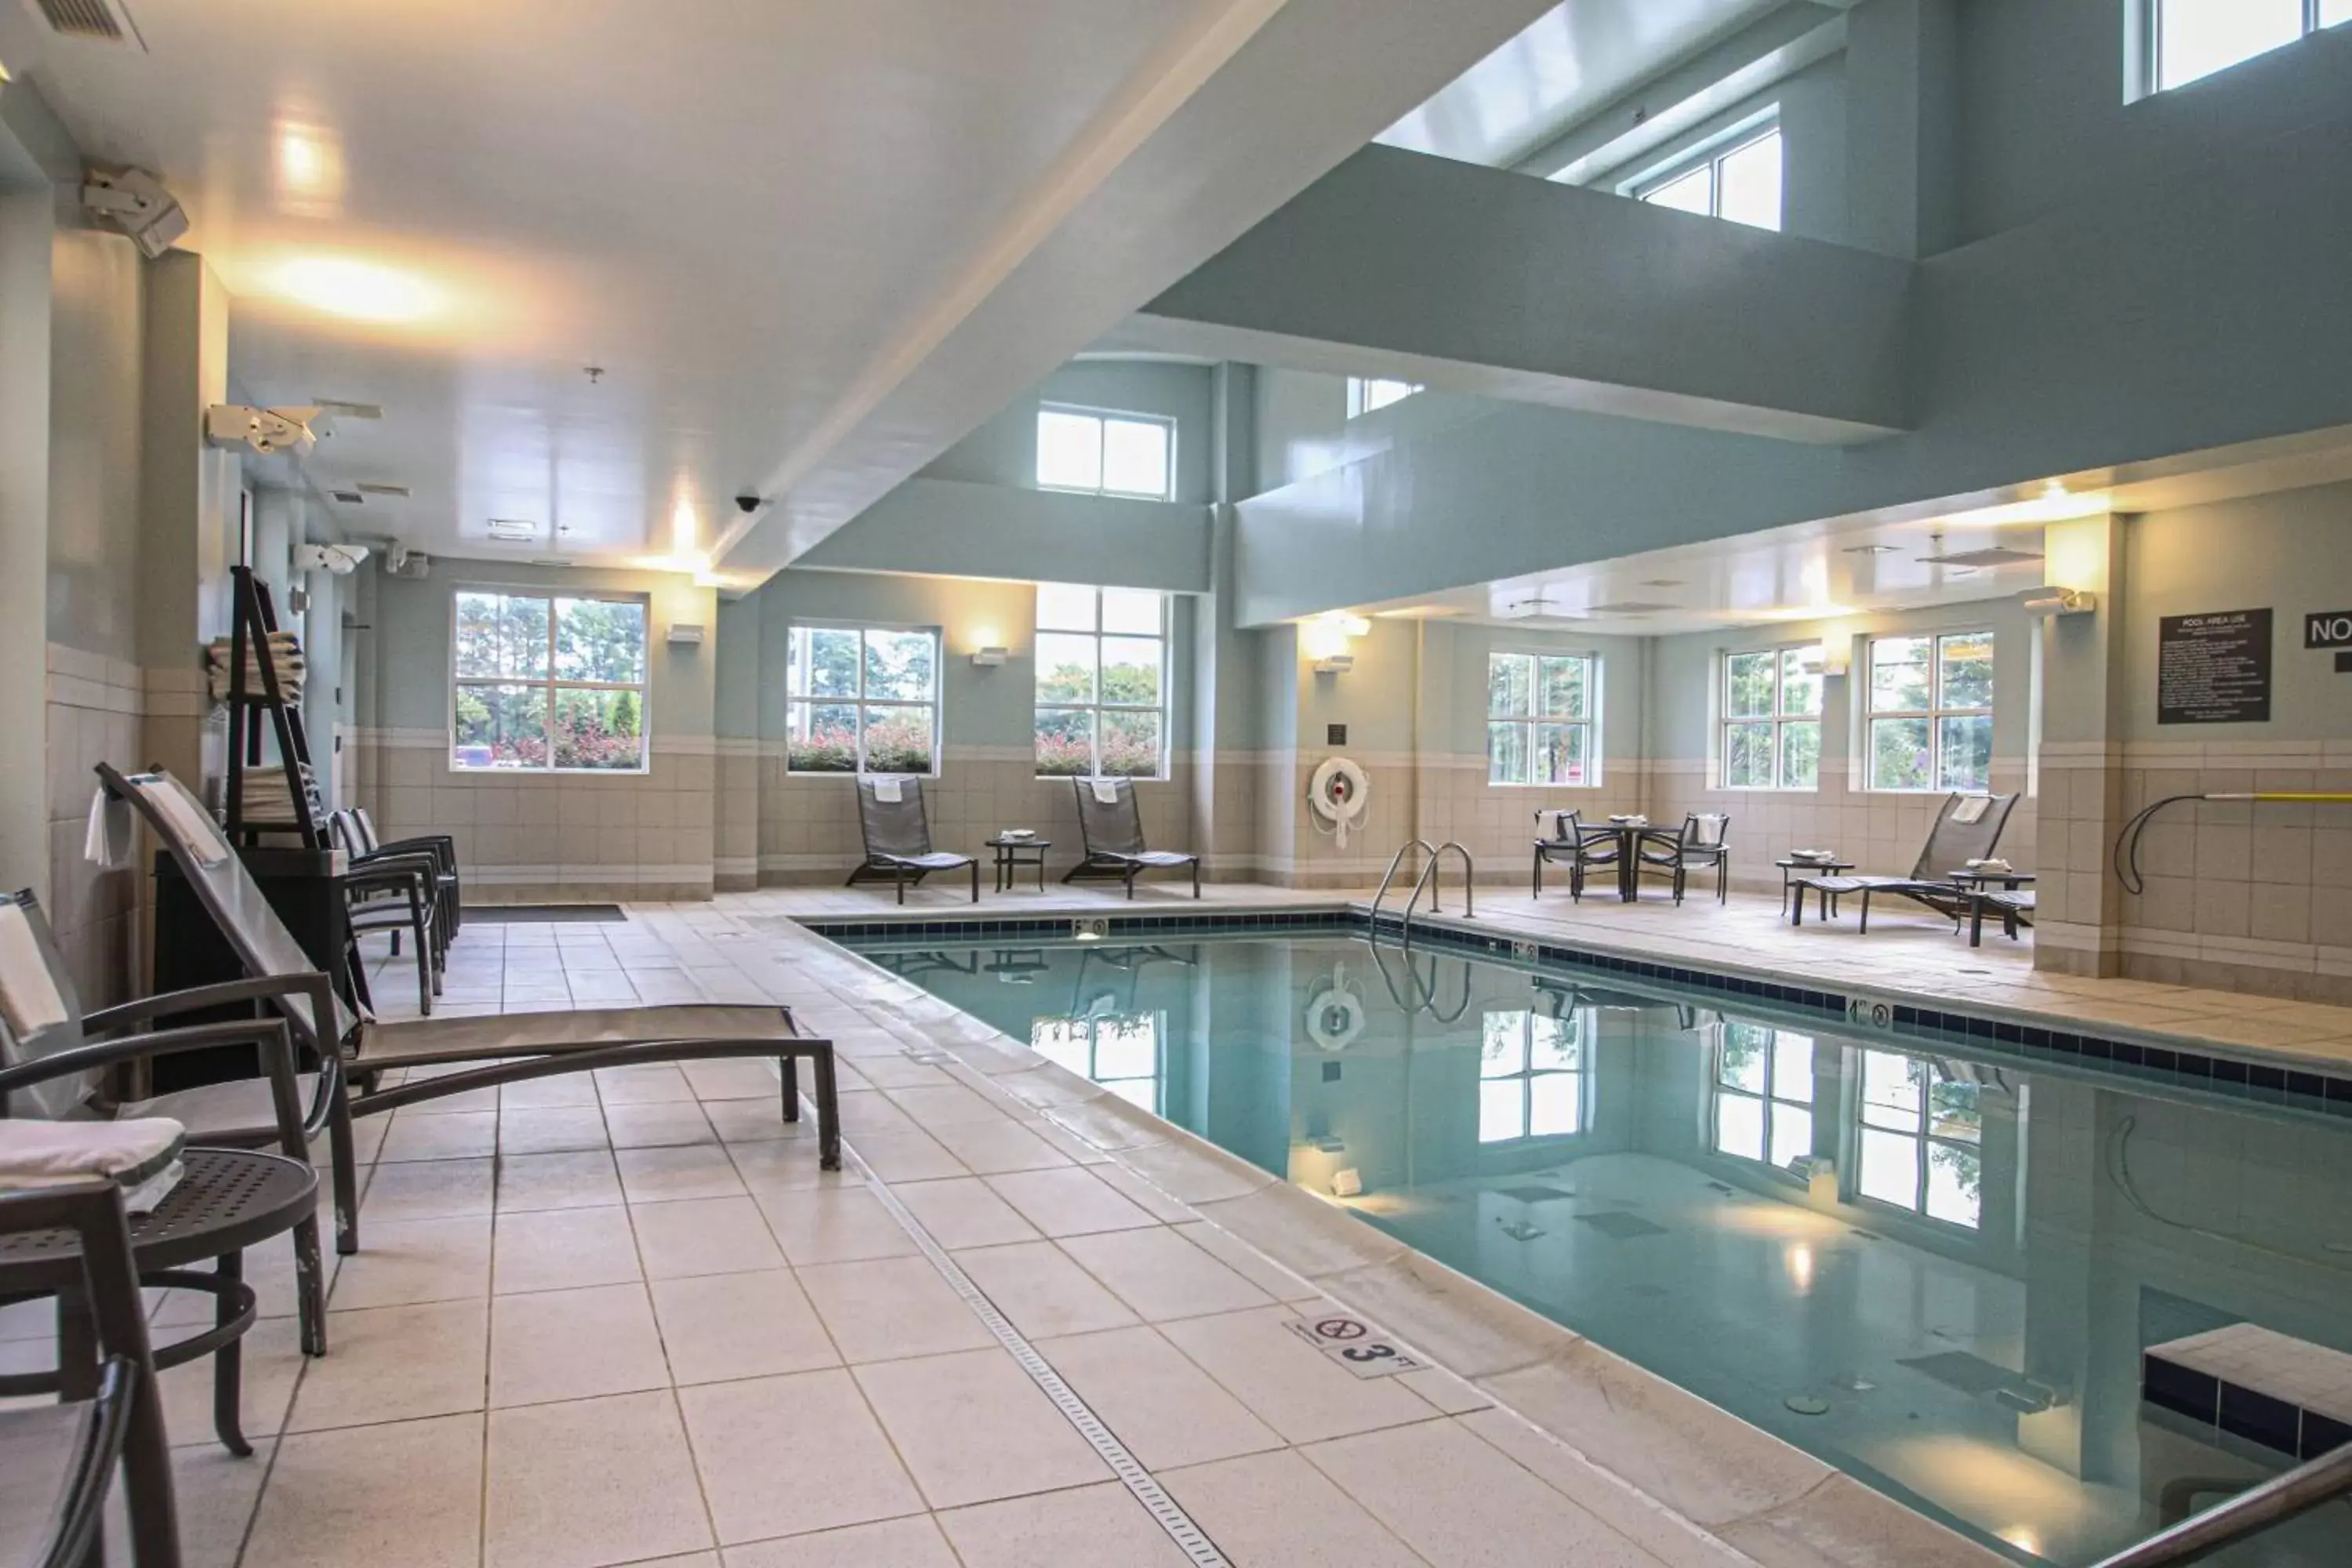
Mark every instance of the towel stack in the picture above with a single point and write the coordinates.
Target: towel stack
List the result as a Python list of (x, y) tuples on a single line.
[(141, 1156), (285, 657), (266, 800)]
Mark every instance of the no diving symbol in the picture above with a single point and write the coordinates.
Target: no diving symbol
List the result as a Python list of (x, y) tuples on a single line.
[(1340, 1329)]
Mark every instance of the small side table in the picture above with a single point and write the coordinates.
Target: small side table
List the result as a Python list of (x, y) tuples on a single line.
[(1012, 854), (1975, 885), (229, 1200), (1824, 868)]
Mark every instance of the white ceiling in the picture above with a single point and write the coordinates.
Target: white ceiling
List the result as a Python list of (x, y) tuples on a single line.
[(1568, 62), (804, 240)]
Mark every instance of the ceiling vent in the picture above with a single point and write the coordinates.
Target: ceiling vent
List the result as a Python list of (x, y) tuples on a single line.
[(347, 498), (1632, 608), (341, 408), (104, 21), (513, 530), (389, 492), (1999, 555)]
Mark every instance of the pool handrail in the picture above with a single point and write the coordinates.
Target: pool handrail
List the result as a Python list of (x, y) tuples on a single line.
[(1428, 872), (2281, 1498), (1407, 848)]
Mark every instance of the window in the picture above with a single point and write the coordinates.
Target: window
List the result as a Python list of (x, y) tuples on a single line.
[(1106, 454), (1931, 711), (861, 701), (1102, 688), (1740, 182), (2194, 39), (1366, 393), (1921, 1139), (1541, 719), (1764, 1095), (1120, 1051), (549, 681), (1531, 1076), (1772, 719)]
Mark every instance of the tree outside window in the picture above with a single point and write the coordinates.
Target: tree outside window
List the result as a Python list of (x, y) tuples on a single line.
[(1772, 719), (861, 700), (1931, 712), (1102, 688), (551, 682), (1922, 1136), (1541, 719)]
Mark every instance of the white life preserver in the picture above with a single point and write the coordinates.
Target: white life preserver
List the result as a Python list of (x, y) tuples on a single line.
[(1339, 792), (1334, 1016)]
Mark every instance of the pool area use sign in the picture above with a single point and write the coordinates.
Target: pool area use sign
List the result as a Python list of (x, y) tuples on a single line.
[(2214, 669)]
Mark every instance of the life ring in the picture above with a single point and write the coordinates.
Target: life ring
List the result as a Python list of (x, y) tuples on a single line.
[(1336, 1016), (1339, 792)]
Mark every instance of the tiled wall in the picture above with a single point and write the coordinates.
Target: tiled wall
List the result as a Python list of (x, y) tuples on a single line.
[(2238, 896)]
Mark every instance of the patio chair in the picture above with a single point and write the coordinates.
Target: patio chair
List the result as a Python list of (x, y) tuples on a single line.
[(1111, 825), (440, 846), (1967, 828), (897, 835), (54, 1059), (58, 1460), (390, 893), (509, 1046), (1701, 842), (1584, 848)]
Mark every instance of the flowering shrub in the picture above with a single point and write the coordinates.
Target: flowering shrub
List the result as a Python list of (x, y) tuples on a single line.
[(830, 749), (1064, 756)]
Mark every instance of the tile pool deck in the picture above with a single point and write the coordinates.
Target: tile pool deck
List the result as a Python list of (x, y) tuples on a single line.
[(628, 1321)]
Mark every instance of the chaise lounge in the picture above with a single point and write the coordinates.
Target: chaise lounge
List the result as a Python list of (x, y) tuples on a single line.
[(1967, 828), (1111, 824), (509, 1046)]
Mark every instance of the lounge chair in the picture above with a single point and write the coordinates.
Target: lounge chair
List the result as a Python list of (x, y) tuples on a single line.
[(1584, 848), (1701, 843), (1967, 828), (1111, 825), (56, 1067), (391, 894), (58, 1459), (898, 837), (512, 1045)]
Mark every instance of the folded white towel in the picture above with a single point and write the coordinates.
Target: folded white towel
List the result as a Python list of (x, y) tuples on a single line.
[(1106, 792), (29, 997), (108, 840), (1972, 808), (190, 823), (888, 792), (35, 1154)]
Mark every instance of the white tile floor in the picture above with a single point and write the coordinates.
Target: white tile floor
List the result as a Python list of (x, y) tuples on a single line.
[(626, 1320)]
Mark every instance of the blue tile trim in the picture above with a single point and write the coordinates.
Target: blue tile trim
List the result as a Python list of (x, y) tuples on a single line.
[(2242, 1412), (2270, 1084)]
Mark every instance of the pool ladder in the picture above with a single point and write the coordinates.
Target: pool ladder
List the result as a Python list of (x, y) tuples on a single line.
[(1428, 882)]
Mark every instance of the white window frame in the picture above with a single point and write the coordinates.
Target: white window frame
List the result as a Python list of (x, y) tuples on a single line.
[(1525, 1077), (1773, 1102), (551, 685), (2316, 19), (1780, 720), (1535, 722), (1934, 713), (1104, 419), (1370, 393), (1922, 1134), (799, 706), (1709, 155), (1097, 707)]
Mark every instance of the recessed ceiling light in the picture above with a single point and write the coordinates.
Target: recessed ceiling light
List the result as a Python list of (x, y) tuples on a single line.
[(341, 408), (513, 530), (362, 291), (347, 498), (1869, 549)]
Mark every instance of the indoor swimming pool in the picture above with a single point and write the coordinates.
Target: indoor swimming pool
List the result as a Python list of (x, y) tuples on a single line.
[(1938, 1264)]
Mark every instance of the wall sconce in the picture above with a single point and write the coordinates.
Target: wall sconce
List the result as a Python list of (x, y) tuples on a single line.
[(1832, 664), (989, 657), (2056, 601), (1325, 640)]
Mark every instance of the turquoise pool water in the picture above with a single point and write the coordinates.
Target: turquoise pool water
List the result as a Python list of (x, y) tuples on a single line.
[(1928, 1265)]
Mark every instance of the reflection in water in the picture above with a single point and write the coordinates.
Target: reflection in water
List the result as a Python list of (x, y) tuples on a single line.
[(1930, 1267)]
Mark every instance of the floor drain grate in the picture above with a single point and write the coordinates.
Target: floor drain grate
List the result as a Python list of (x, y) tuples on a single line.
[(1164, 1510)]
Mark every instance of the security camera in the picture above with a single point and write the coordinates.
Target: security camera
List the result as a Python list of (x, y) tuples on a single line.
[(748, 504), (265, 430), (342, 560), (135, 202)]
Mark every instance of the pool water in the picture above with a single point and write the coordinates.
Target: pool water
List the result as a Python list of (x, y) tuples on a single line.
[(1927, 1266)]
